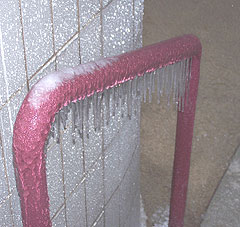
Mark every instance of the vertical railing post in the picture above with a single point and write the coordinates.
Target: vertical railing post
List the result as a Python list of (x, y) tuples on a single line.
[(183, 148)]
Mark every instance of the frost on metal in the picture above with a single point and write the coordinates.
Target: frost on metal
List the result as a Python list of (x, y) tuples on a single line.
[(171, 81), (55, 79), (172, 66)]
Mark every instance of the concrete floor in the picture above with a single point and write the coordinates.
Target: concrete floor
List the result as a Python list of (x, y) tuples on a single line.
[(217, 131), (225, 204)]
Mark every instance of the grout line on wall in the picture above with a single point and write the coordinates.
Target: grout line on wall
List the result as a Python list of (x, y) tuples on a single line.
[(4, 200), (23, 43), (118, 186), (84, 183), (101, 26), (7, 180), (85, 175), (57, 54), (53, 33), (51, 59), (63, 181), (134, 35), (79, 30), (12, 96), (5, 78)]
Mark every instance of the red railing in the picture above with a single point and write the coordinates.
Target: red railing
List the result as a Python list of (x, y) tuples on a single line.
[(42, 103)]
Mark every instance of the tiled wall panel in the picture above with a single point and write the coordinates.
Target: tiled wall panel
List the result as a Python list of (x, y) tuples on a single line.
[(112, 211), (69, 57), (65, 21), (55, 178), (117, 34), (76, 208), (37, 30), (37, 37), (87, 11), (94, 192), (6, 133), (12, 67), (90, 38)]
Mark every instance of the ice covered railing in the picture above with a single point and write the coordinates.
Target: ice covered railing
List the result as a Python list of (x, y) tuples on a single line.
[(173, 65)]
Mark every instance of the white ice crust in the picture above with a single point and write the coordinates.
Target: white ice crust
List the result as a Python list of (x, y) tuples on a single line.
[(50, 82)]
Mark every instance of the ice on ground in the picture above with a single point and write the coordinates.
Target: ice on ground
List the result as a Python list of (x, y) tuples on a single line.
[(143, 217), (160, 217)]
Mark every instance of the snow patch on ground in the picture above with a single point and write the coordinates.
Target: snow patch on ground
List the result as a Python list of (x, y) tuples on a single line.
[(143, 218), (234, 167), (159, 219)]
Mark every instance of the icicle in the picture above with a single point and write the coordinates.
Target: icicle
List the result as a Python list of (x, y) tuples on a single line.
[(99, 109), (46, 147), (129, 98), (153, 80), (80, 117), (145, 87), (178, 84), (46, 144), (185, 78), (117, 88), (48, 139), (86, 115), (180, 87), (185, 75), (58, 126), (134, 93), (140, 87), (177, 95), (162, 76), (134, 86), (170, 83), (184, 82), (167, 82), (107, 104), (113, 101), (52, 130), (95, 109), (63, 116), (160, 82), (124, 90), (187, 72), (190, 68), (122, 96), (188, 77), (180, 76), (73, 107), (174, 82), (158, 72), (150, 87)]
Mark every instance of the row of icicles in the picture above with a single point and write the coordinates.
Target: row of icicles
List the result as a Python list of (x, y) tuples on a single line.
[(171, 80)]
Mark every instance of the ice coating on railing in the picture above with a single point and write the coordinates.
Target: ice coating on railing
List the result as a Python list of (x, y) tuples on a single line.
[(171, 81), (170, 61), (55, 79)]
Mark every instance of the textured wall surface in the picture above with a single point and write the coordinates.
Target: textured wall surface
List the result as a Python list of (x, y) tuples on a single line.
[(37, 37), (217, 132)]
